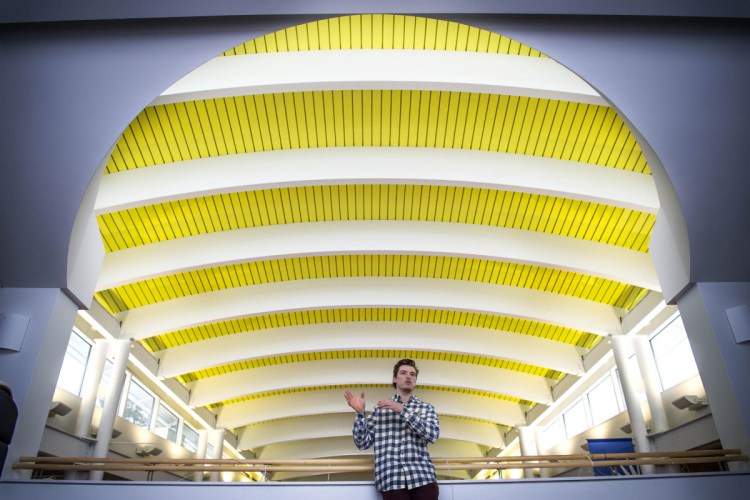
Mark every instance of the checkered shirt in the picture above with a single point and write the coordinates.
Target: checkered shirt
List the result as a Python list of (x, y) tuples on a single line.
[(401, 456)]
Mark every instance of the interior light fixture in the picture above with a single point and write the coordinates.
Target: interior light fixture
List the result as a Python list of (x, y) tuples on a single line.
[(692, 403), (58, 408), (147, 450), (628, 429), (95, 431)]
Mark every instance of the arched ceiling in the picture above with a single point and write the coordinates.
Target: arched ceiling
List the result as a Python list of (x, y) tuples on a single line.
[(293, 217)]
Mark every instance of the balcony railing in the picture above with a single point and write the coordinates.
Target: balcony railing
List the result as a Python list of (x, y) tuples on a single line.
[(151, 464)]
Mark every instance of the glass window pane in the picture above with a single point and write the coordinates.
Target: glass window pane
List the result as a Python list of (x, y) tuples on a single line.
[(104, 384), (190, 438), (553, 434), (575, 419), (166, 424), (139, 406), (673, 355), (74, 364), (603, 401)]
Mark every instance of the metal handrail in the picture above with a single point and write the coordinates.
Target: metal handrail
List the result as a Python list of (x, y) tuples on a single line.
[(150, 464)]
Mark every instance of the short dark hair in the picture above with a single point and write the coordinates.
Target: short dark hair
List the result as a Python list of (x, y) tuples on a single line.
[(404, 362)]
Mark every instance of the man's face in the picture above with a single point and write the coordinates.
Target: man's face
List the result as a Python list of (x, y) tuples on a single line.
[(406, 377)]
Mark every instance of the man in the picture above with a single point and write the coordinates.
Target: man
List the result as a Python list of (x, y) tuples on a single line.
[(400, 428)]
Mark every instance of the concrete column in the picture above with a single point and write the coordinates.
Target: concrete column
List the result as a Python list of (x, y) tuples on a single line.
[(216, 439), (650, 376), (527, 441), (201, 452), (119, 349), (723, 362), (32, 371), (622, 348), (89, 389), (543, 472)]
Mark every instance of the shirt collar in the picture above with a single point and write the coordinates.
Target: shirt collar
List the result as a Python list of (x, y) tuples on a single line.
[(397, 398)]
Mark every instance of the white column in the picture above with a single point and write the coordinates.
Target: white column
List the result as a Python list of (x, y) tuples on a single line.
[(90, 387), (216, 439), (89, 390), (543, 471), (201, 452), (120, 349), (650, 376), (528, 447), (622, 348)]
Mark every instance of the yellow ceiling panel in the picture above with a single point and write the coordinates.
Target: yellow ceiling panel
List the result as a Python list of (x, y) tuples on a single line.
[(459, 318), (341, 266), (390, 354), (382, 353), (437, 119), (554, 215), (384, 31)]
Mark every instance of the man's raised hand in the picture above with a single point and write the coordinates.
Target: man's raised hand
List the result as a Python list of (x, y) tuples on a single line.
[(356, 402)]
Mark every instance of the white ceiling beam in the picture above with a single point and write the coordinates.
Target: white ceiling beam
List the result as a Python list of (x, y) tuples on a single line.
[(184, 312), (298, 404), (340, 425), (361, 335), (376, 165), (471, 241), (373, 69), (344, 446), (365, 371)]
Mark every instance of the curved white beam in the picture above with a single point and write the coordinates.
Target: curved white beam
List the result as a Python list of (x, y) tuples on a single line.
[(376, 165), (378, 237), (299, 404), (340, 425), (344, 446), (185, 312), (380, 70), (365, 371), (362, 335)]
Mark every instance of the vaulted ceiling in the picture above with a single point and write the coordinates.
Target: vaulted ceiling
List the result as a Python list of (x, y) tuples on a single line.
[(305, 209)]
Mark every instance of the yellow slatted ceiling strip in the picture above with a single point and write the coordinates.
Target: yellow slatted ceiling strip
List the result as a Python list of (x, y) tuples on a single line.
[(310, 317), (358, 354), (468, 392), (301, 420), (384, 31), (436, 119), (341, 266), (554, 215)]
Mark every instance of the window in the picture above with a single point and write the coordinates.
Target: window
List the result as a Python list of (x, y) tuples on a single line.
[(166, 423), (190, 438), (139, 405), (673, 355), (575, 419), (603, 401), (74, 364), (104, 384), (553, 434)]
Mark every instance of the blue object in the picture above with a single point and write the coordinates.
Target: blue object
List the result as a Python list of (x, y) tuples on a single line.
[(614, 445)]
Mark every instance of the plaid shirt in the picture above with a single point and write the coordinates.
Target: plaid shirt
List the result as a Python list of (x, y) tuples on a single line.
[(401, 457)]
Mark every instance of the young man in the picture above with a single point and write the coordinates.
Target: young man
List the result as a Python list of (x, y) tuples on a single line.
[(400, 428)]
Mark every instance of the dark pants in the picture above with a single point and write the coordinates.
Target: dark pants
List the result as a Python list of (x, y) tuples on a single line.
[(426, 492)]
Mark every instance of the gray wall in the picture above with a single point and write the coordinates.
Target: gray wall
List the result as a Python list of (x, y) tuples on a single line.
[(699, 486)]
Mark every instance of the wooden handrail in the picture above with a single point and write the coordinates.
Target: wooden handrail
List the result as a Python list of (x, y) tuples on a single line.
[(150, 464)]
